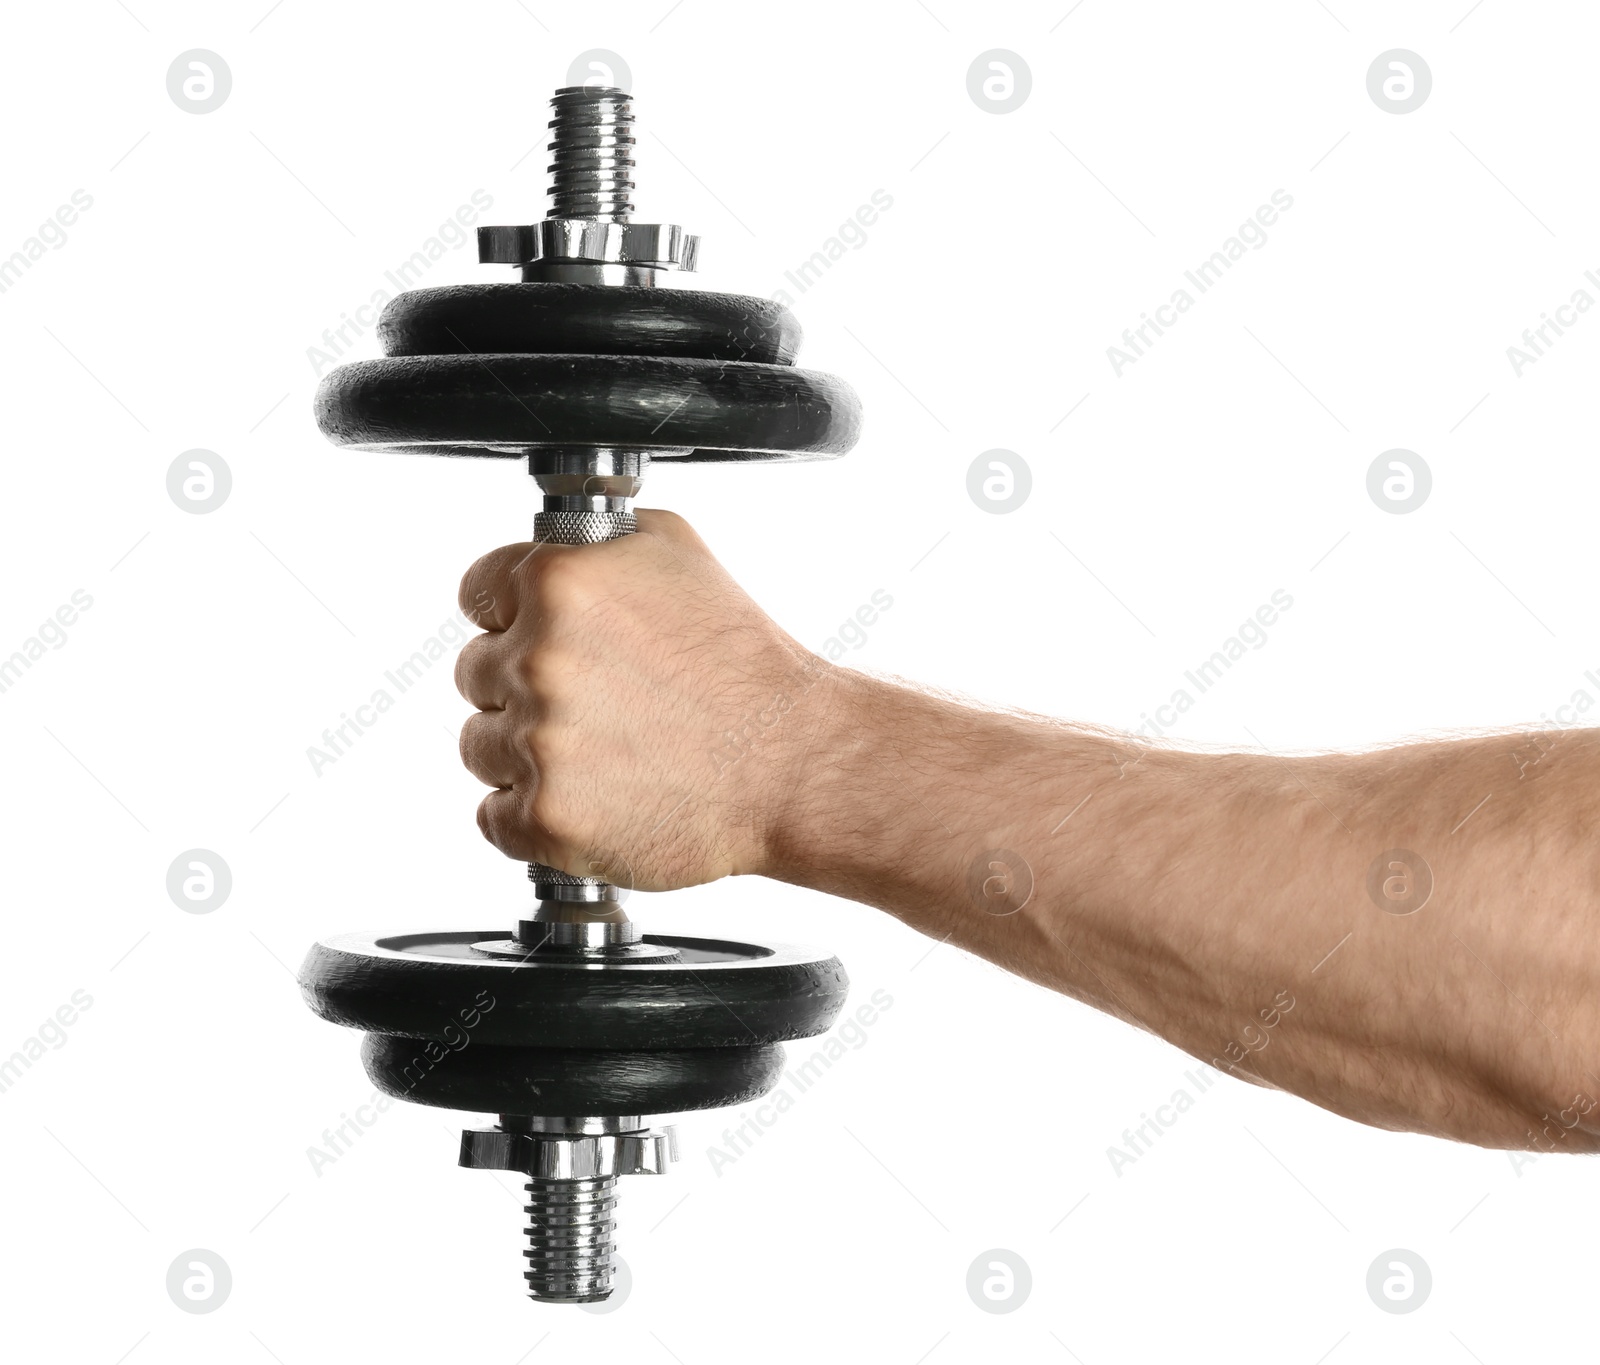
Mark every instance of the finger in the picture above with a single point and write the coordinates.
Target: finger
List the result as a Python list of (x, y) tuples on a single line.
[(482, 674), (494, 749), (668, 526), (489, 589), (503, 818)]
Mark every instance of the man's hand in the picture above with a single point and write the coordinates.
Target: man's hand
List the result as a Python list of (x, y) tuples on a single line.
[(640, 713), (636, 708)]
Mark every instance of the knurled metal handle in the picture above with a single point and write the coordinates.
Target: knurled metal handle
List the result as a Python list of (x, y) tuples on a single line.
[(582, 528)]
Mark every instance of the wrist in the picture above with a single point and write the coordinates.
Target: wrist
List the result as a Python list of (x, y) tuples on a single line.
[(818, 797)]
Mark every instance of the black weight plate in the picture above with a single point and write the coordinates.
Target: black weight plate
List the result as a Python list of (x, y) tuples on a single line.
[(486, 1079), (435, 985), (503, 405), (588, 319)]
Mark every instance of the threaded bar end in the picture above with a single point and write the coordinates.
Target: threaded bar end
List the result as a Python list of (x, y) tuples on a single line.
[(572, 1239), (591, 154)]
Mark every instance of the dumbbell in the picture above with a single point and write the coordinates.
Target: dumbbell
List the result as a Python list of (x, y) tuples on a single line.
[(575, 1027)]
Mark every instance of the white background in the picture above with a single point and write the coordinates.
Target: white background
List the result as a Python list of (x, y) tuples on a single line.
[(1227, 463)]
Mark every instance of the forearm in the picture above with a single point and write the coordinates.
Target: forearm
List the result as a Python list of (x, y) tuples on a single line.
[(1194, 894)]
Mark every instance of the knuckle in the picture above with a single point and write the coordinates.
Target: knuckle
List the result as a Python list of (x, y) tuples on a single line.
[(503, 820), (530, 570), (479, 606), (489, 819), (669, 536), (472, 663), (489, 576), (471, 744), (546, 798), (553, 577), (550, 813), (670, 518), (553, 747), (474, 586), (567, 583), (498, 749), (542, 674), (662, 520)]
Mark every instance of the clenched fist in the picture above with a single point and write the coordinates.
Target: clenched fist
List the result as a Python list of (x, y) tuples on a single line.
[(636, 710)]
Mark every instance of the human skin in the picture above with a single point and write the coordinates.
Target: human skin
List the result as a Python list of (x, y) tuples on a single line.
[(641, 717)]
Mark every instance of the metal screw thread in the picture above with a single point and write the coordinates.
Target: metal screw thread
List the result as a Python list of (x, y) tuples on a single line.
[(591, 151), (572, 1239)]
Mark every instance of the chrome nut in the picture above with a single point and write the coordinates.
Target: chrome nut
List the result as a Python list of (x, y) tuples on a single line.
[(556, 1156), (665, 246)]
